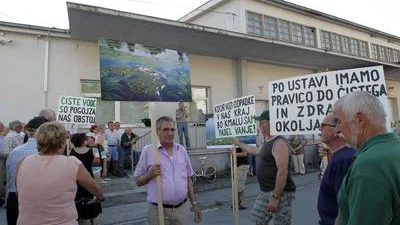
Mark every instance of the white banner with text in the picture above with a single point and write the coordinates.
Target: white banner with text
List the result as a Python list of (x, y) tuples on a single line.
[(76, 110)]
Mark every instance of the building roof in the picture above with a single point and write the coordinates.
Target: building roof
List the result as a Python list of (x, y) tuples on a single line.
[(212, 4), (89, 23), (26, 28)]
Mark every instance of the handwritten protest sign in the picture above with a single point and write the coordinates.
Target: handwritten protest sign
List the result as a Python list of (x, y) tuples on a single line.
[(76, 110), (235, 118), (299, 104)]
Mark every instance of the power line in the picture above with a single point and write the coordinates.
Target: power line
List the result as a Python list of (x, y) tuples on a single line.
[(10, 17)]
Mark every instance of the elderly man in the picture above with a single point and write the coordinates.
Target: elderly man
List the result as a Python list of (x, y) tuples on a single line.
[(370, 192), (338, 165), (112, 137), (175, 171), (181, 114), (49, 114), (276, 184), (128, 139), (29, 148)]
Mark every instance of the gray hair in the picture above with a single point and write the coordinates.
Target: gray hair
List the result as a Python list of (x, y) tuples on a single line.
[(163, 119), (361, 101), (13, 124), (49, 114)]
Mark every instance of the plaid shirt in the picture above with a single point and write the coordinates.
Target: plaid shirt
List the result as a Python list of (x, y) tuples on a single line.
[(11, 141), (29, 148)]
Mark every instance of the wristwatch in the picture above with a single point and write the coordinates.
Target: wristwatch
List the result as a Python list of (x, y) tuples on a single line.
[(275, 196)]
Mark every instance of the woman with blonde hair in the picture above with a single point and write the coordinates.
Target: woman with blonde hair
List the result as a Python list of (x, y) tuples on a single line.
[(47, 182)]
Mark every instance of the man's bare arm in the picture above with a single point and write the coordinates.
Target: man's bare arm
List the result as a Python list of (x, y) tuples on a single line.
[(249, 149)]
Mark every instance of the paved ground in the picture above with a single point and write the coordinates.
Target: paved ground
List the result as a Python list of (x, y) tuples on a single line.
[(125, 203)]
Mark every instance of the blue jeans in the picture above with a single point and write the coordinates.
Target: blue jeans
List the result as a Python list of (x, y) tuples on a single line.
[(183, 130), (123, 152)]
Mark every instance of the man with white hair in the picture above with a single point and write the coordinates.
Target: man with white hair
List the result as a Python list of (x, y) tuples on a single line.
[(339, 164), (49, 114), (370, 192)]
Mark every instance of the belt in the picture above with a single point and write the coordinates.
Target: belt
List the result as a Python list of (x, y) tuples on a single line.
[(112, 145), (171, 206)]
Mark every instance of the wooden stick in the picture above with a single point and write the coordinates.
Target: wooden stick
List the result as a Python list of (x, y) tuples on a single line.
[(156, 161), (235, 184)]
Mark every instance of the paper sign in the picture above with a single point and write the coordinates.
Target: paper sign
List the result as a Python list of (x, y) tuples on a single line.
[(76, 110), (236, 117), (299, 104)]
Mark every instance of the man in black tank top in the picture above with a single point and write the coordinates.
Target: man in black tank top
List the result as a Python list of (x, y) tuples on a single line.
[(276, 184)]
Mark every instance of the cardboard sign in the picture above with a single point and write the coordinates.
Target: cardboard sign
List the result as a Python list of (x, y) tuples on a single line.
[(76, 110), (299, 104), (235, 118)]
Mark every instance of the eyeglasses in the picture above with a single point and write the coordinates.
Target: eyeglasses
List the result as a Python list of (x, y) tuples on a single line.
[(168, 130), (327, 125)]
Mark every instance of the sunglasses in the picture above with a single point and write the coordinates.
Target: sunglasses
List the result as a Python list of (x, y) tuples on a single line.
[(327, 125)]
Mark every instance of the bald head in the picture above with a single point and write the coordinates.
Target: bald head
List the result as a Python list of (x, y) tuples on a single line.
[(49, 114)]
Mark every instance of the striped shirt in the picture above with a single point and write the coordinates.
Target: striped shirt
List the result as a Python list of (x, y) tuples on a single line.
[(29, 148), (11, 141)]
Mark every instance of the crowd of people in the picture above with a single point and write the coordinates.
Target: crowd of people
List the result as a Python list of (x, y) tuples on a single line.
[(360, 184)]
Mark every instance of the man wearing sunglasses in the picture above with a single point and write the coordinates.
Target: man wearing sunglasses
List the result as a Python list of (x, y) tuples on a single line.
[(342, 158)]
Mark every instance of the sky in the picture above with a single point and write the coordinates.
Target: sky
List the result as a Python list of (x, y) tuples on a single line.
[(381, 15)]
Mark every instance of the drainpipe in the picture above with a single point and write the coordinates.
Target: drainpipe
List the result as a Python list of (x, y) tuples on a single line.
[(46, 70)]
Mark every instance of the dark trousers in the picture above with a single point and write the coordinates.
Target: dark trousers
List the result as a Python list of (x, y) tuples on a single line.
[(12, 208)]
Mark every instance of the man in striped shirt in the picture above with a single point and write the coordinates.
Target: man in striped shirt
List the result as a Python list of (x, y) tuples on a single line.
[(29, 148)]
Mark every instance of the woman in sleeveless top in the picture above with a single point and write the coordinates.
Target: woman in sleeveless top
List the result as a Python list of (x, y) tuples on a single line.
[(86, 156), (47, 182)]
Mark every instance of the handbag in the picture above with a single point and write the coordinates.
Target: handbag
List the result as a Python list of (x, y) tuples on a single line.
[(87, 211)]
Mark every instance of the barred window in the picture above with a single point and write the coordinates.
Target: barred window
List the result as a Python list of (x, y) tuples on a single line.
[(382, 53), (325, 40), (254, 23), (336, 45), (374, 51), (354, 46), (309, 36), (395, 55), (297, 33), (389, 54), (270, 27), (346, 44), (284, 30), (363, 48)]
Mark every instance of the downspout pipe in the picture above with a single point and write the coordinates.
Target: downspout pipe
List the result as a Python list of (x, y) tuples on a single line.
[(46, 69)]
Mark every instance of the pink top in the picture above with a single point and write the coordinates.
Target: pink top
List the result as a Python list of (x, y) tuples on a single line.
[(174, 173), (46, 187)]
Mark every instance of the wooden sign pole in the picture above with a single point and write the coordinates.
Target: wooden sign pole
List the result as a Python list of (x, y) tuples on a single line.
[(235, 197), (156, 161)]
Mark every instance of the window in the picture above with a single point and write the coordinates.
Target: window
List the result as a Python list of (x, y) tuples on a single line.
[(199, 104), (335, 38), (297, 33), (284, 30), (254, 23), (346, 44), (374, 51), (354, 46), (309, 36), (270, 27), (325, 40), (363, 48), (395, 55), (105, 110), (389, 55), (382, 53)]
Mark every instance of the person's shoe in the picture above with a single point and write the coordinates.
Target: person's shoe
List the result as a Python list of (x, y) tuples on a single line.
[(242, 207), (103, 181), (106, 179)]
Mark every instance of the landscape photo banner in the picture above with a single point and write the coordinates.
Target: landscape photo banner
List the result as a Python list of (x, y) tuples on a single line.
[(76, 110), (135, 72), (235, 118), (299, 104)]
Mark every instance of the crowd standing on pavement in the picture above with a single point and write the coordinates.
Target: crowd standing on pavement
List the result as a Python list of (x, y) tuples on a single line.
[(360, 179)]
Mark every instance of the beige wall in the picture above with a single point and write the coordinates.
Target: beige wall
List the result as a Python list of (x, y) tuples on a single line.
[(217, 19), (259, 74)]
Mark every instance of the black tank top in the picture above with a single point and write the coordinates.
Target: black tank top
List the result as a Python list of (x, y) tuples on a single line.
[(267, 170)]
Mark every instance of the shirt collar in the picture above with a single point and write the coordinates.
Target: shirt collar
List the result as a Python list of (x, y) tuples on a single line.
[(174, 146), (375, 140)]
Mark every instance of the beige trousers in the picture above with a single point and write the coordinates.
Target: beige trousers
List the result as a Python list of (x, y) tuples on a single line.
[(179, 216), (298, 163)]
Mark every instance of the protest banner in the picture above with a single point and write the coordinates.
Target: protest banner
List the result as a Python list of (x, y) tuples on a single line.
[(299, 104), (235, 118), (76, 110)]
